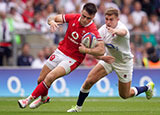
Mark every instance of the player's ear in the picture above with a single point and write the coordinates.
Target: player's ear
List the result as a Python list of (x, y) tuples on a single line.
[(93, 17)]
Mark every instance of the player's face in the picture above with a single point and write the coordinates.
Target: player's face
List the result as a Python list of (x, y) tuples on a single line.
[(85, 18), (111, 21)]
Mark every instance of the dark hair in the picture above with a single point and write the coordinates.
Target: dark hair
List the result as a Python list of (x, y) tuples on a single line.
[(152, 56), (150, 50), (90, 8)]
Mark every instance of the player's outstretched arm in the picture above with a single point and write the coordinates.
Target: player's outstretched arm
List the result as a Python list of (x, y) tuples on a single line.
[(99, 50), (54, 21), (119, 32)]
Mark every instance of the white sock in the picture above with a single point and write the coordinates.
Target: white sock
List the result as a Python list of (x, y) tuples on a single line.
[(135, 91), (30, 98), (79, 107), (84, 90)]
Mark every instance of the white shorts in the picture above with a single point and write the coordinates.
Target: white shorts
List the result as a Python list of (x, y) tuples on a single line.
[(124, 71), (60, 59)]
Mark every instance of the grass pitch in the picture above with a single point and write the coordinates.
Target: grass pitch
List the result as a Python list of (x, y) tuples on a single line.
[(92, 106)]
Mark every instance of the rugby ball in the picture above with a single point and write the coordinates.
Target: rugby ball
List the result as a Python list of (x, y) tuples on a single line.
[(89, 40)]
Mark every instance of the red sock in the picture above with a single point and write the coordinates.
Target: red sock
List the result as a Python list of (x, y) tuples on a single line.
[(41, 89)]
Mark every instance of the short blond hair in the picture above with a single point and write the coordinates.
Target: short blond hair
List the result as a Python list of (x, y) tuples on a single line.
[(112, 11)]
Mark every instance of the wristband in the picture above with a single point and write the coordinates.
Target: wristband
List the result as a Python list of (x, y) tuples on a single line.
[(87, 50)]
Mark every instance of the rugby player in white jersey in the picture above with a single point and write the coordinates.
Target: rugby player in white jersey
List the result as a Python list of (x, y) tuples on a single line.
[(117, 40), (69, 54)]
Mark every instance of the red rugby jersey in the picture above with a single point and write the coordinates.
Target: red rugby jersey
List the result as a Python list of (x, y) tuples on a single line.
[(71, 42)]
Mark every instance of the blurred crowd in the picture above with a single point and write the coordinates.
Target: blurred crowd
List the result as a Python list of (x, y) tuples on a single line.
[(142, 18)]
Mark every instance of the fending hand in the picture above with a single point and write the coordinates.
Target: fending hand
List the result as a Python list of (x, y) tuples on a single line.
[(111, 30), (53, 26)]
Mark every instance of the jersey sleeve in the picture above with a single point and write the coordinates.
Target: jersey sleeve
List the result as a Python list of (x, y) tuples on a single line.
[(68, 17), (122, 26), (101, 32)]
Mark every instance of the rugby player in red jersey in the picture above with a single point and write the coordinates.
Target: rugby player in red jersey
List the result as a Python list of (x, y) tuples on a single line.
[(69, 54)]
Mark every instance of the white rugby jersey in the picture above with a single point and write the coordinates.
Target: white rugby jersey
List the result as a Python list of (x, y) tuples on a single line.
[(117, 46)]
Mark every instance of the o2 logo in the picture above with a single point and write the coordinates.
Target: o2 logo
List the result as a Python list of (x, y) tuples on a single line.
[(75, 35), (106, 88), (144, 79), (18, 85), (62, 89)]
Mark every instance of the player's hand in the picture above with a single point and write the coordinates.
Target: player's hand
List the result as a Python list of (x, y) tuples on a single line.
[(53, 26), (111, 30), (108, 59), (82, 48)]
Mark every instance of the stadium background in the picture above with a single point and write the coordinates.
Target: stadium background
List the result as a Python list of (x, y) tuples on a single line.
[(29, 26)]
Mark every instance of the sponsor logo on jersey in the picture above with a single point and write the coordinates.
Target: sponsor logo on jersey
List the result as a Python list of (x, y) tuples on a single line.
[(73, 40), (75, 35)]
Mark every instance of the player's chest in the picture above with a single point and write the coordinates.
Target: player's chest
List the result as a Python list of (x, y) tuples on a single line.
[(76, 31), (109, 38)]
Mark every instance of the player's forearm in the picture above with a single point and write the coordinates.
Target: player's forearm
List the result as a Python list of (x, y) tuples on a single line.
[(98, 57), (99, 50), (120, 32), (58, 19)]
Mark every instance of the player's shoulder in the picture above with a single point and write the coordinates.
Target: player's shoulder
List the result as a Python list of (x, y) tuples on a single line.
[(92, 25), (102, 28), (74, 15), (71, 17), (121, 25)]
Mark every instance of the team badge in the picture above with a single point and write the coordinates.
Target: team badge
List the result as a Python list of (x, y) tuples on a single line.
[(125, 76)]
